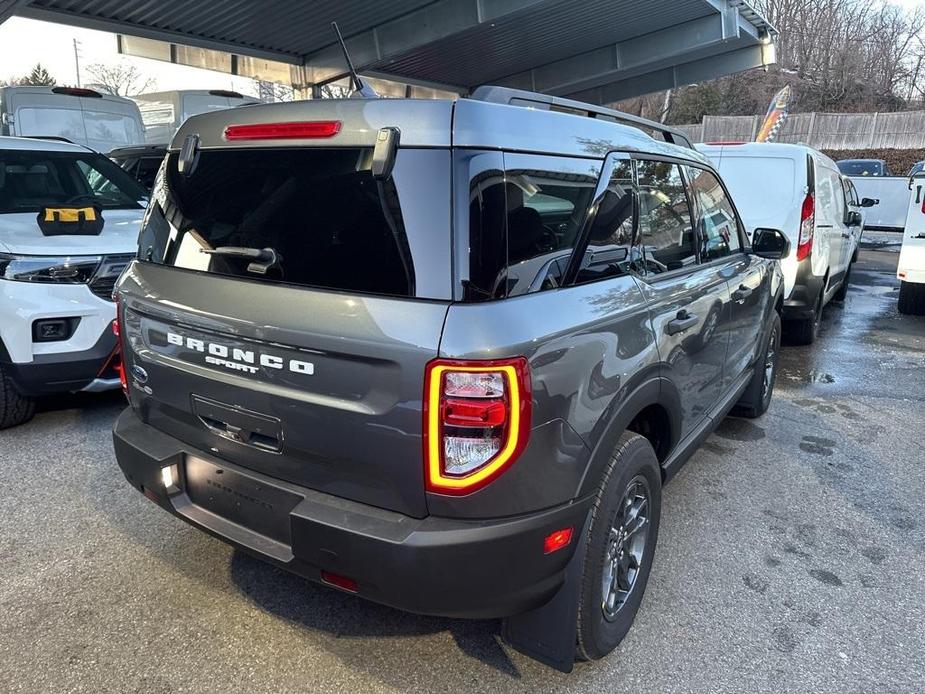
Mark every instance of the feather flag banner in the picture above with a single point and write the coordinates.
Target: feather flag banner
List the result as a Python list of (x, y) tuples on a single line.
[(777, 115)]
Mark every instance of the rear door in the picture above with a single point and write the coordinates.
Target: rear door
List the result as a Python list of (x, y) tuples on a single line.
[(688, 302), (305, 362)]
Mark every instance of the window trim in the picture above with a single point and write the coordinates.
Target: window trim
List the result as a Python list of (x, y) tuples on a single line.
[(744, 243)]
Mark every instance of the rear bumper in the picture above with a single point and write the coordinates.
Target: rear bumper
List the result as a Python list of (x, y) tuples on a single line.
[(801, 303), (436, 566)]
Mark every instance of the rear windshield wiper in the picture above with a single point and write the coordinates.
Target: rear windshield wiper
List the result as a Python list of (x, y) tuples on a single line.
[(263, 259)]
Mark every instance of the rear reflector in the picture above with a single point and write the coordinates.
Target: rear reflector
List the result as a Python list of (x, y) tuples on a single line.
[(303, 130), (339, 581), (557, 540)]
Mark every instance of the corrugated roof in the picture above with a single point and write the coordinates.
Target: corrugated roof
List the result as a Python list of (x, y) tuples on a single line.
[(453, 42)]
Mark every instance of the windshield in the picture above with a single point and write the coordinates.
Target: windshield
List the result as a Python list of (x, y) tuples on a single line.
[(861, 168), (30, 181)]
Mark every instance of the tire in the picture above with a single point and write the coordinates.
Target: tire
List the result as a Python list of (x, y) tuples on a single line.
[(15, 408), (757, 396), (912, 299), (633, 473), (842, 292), (805, 332)]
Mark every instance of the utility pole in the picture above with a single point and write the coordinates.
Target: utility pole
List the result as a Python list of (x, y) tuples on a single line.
[(77, 61)]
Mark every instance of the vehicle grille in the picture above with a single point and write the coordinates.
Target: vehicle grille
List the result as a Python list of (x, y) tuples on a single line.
[(107, 274)]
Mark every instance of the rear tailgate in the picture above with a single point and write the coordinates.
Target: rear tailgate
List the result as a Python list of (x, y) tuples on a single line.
[(330, 394), (305, 361)]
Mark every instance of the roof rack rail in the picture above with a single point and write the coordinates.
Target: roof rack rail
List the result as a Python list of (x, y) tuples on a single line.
[(520, 97), (53, 138)]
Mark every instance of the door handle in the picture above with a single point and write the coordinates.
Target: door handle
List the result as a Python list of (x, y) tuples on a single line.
[(683, 321), (845, 236), (741, 294)]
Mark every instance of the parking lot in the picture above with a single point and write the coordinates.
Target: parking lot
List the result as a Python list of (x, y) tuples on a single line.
[(791, 558)]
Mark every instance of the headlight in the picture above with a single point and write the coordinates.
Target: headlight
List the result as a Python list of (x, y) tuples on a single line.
[(61, 270)]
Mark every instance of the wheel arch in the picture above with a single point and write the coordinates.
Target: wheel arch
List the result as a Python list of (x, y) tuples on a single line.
[(652, 409)]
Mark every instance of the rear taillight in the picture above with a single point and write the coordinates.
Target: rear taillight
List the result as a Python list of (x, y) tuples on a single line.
[(476, 421), (119, 366), (807, 226), (302, 130)]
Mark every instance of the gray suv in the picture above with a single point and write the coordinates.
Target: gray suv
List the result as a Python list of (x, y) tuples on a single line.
[(441, 354)]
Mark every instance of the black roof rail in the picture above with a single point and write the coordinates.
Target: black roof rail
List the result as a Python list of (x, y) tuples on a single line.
[(521, 97)]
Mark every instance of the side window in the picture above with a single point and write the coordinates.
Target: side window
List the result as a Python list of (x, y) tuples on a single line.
[(838, 196), (524, 221), (719, 231), (610, 250), (665, 231)]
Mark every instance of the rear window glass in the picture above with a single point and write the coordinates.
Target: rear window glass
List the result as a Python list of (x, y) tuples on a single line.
[(763, 188), (309, 217), (31, 180)]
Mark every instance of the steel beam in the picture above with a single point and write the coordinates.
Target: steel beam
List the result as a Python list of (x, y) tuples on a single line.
[(702, 39), (10, 7), (436, 21)]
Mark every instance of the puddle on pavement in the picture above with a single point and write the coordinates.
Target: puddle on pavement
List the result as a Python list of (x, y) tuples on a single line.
[(807, 377)]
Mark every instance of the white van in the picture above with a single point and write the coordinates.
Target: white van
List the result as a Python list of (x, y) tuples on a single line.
[(164, 112), (911, 267), (69, 221), (86, 117), (800, 191)]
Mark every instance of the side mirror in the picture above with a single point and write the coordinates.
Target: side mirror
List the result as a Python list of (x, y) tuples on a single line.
[(869, 202), (854, 219), (772, 244)]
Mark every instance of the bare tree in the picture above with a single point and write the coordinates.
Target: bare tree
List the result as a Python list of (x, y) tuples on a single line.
[(122, 79)]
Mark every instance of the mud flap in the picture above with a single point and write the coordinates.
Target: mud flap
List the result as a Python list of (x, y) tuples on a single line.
[(548, 633)]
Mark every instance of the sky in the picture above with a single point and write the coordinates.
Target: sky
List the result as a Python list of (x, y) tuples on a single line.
[(25, 42)]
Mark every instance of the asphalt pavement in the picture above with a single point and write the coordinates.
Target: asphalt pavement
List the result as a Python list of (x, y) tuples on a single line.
[(791, 558)]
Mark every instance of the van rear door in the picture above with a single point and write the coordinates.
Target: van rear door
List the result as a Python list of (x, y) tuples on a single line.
[(283, 311)]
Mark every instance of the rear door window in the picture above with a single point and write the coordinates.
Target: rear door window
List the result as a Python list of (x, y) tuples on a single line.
[(310, 217), (716, 218), (665, 230)]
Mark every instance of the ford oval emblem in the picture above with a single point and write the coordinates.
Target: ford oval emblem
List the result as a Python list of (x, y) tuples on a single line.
[(140, 374)]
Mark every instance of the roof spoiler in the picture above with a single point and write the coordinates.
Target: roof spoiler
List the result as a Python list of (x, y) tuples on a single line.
[(520, 97)]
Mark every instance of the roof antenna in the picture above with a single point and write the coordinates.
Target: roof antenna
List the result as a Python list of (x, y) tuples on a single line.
[(361, 90)]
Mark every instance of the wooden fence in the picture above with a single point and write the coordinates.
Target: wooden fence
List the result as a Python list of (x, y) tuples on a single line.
[(832, 131)]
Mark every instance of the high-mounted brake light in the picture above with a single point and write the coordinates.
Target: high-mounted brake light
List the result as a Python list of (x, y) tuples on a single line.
[(302, 130), (77, 91), (807, 227), (476, 421)]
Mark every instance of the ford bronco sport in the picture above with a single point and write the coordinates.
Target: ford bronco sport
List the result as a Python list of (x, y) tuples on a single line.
[(441, 354)]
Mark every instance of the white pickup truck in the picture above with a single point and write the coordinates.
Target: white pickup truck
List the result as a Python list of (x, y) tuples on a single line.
[(911, 268)]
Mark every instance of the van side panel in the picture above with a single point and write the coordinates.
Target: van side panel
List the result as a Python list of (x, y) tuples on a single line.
[(588, 347)]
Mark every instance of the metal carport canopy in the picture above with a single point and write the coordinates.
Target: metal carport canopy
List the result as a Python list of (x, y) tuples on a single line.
[(593, 50)]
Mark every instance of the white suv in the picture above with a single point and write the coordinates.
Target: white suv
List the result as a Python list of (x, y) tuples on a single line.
[(69, 220), (800, 191), (911, 267)]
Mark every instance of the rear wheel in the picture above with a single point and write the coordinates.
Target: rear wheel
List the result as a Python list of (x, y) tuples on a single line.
[(620, 546), (805, 332), (912, 298), (15, 408), (757, 396)]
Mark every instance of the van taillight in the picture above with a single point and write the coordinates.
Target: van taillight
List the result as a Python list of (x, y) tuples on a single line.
[(476, 421), (302, 130), (807, 226)]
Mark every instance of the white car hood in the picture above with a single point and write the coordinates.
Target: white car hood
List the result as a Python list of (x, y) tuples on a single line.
[(20, 234)]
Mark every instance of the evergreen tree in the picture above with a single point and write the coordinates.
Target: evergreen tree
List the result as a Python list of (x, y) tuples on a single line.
[(39, 77)]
